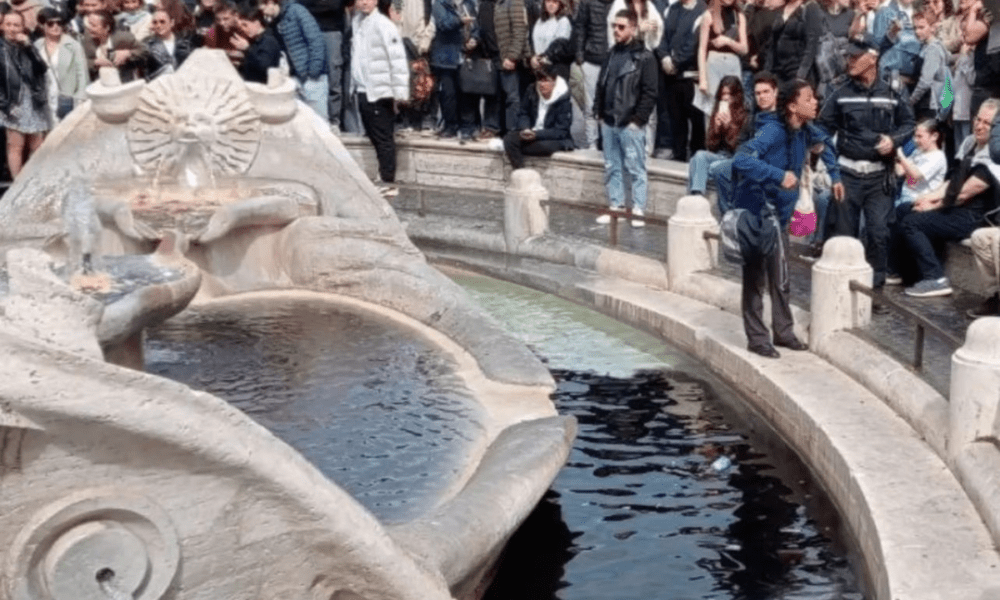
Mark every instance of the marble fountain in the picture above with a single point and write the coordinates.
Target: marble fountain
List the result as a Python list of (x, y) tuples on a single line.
[(200, 190)]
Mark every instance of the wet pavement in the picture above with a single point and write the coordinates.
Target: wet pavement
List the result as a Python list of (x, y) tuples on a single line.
[(891, 332)]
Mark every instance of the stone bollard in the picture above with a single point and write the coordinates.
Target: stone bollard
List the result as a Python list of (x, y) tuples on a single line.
[(974, 401), (523, 215), (834, 306), (687, 249)]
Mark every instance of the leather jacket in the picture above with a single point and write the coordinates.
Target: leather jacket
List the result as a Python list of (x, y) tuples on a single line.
[(21, 65), (634, 90), (590, 31)]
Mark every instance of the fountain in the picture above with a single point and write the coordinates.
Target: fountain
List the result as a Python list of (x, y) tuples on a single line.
[(199, 189)]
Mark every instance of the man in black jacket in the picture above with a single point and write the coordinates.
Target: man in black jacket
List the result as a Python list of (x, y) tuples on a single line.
[(871, 121), (678, 57), (624, 100), (590, 33), (261, 50), (544, 122)]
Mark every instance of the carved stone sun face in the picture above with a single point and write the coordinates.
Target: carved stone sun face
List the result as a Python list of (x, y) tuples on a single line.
[(214, 114)]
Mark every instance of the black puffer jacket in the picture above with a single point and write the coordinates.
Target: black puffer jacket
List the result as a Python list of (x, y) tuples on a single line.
[(633, 91), (590, 31), (21, 65)]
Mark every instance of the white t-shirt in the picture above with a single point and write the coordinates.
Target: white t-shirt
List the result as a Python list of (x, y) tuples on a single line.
[(932, 165)]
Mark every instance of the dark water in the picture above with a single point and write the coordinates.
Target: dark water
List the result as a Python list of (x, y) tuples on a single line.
[(376, 409), (672, 491)]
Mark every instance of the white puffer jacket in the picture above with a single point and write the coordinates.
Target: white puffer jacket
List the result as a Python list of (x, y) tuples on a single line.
[(378, 58)]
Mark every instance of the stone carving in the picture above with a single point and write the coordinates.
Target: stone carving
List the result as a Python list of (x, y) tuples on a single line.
[(93, 545), (194, 128), (246, 190)]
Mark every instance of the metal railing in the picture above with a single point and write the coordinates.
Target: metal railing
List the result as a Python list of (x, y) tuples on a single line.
[(604, 210), (922, 323)]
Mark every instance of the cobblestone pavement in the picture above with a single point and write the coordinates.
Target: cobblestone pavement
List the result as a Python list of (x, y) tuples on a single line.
[(892, 332)]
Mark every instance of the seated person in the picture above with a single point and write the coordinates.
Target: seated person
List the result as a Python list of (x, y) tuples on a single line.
[(950, 213), (986, 250), (544, 120), (924, 170), (725, 125), (260, 49)]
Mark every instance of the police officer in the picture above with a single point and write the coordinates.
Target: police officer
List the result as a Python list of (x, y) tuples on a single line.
[(871, 121)]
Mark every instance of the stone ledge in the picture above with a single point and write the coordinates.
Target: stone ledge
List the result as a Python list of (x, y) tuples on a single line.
[(920, 535)]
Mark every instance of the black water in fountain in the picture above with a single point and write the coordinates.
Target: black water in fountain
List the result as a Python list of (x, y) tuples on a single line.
[(671, 491)]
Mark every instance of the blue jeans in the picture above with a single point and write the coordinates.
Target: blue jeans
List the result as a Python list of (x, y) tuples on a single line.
[(624, 147), (510, 88), (701, 167), (722, 173), (316, 93)]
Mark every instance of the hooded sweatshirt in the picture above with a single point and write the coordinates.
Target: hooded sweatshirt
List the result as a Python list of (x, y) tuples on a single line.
[(558, 92)]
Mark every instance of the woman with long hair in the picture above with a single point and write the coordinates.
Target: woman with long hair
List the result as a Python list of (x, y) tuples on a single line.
[(722, 41), (727, 120), (550, 38), (67, 74), (24, 110)]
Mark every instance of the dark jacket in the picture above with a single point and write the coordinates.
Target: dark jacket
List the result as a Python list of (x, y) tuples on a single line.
[(558, 118), (302, 41), (590, 31), (560, 55), (21, 65), (761, 162), (859, 115), (485, 32), (794, 44), (634, 90), (264, 53), (158, 59), (449, 34), (680, 38), (329, 14), (120, 40), (760, 22)]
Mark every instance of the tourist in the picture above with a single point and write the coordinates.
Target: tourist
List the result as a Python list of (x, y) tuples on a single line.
[(380, 77), (204, 15), (550, 42), (725, 126), (24, 111), (453, 23), (625, 98), (924, 170), (331, 16), (167, 49), (769, 166), (986, 64), (135, 19), (897, 43), (543, 126), (722, 40), (220, 36), (678, 58), (794, 42), (28, 9), (67, 74), (484, 46), (258, 45), (760, 15), (835, 20), (926, 96), (104, 46), (510, 21), (951, 212), (590, 31), (651, 33), (861, 110), (985, 243), (305, 48), (181, 17), (84, 8)]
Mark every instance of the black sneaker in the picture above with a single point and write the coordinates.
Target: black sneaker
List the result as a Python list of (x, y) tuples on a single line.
[(989, 308)]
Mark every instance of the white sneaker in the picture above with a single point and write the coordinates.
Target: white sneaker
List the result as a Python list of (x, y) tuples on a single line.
[(606, 219), (636, 212)]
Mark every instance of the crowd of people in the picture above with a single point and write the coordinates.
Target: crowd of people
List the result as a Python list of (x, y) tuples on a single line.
[(899, 145)]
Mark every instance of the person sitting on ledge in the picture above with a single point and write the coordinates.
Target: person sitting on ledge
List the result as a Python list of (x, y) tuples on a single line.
[(986, 250), (544, 120), (726, 124), (950, 213)]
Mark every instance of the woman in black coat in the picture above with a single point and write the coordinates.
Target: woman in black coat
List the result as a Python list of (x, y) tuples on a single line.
[(544, 121), (24, 109)]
